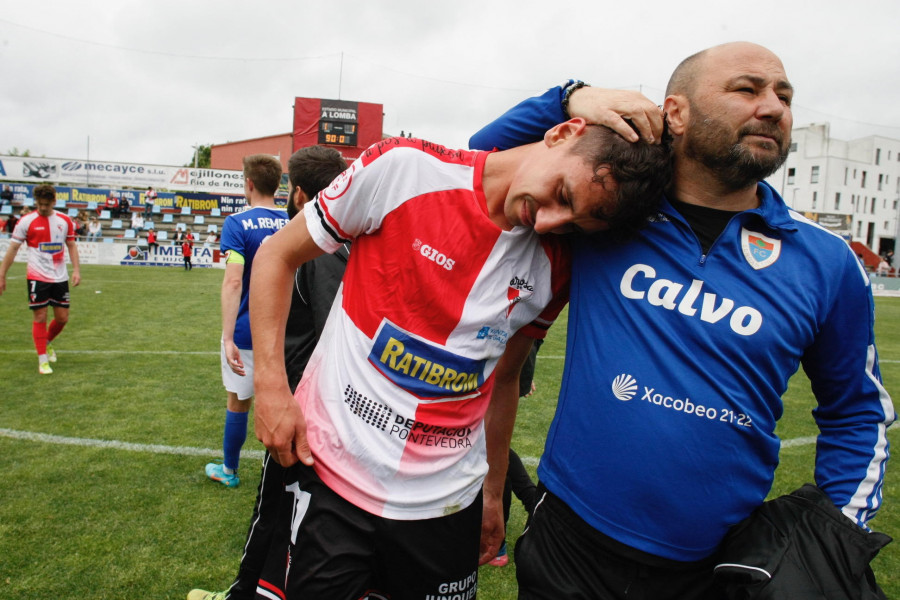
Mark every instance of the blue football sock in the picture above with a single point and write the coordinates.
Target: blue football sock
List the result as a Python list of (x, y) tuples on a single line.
[(235, 435)]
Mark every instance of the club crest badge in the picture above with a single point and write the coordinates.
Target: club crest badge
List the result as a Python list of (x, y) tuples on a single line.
[(760, 251)]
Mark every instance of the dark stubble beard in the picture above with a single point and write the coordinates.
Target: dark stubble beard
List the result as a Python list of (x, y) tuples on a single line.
[(714, 145)]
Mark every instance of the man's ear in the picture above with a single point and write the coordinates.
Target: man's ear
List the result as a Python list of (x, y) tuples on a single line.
[(677, 111), (300, 198), (565, 131)]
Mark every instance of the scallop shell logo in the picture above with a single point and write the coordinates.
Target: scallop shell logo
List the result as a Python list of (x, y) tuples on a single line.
[(624, 387)]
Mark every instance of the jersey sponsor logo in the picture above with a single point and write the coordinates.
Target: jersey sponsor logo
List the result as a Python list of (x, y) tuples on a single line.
[(639, 282), (759, 250), (424, 434), (433, 254), (624, 387), (50, 247), (422, 369), (489, 333), (519, 290)]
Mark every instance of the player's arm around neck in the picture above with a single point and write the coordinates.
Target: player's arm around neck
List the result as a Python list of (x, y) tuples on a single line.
[(280, 425)]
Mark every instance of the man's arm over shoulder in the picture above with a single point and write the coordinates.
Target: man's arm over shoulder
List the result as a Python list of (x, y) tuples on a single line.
[(854, 409), (530, 119)]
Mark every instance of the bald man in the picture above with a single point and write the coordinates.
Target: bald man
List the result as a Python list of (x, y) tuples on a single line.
[(682, 341)]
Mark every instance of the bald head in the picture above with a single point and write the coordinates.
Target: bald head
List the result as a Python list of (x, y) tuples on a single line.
[(686, 75)]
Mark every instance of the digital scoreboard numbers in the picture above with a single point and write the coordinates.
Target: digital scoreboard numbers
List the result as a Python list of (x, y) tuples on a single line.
[(338, 124), (337, 133)]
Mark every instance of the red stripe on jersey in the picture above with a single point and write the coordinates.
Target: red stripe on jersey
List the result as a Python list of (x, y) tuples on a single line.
[(450, 426), (557, 249), (424, 246)]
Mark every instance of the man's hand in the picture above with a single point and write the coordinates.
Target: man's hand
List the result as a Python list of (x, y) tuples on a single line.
[(601, 106), (76, 278), (2, 285), (233, 356), (493, 529), (281, 428)]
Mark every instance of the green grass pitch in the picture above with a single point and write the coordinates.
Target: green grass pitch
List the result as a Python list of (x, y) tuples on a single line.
[(139, 367)]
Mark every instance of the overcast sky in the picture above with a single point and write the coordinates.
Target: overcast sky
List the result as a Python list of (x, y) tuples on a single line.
[(145, 80)]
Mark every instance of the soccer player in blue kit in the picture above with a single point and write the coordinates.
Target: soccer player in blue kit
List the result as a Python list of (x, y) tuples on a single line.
[(242, 235), (681, 343)]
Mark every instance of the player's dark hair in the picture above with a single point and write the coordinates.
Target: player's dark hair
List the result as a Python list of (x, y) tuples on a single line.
[(641, 172), (264, 171), (44, 191), (312, 169)]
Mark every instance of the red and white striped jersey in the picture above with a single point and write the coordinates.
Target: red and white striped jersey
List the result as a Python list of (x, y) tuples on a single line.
[(46, 240), (395, 392)]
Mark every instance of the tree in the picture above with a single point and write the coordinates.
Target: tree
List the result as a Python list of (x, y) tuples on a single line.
[(15, 152), (202, 156)]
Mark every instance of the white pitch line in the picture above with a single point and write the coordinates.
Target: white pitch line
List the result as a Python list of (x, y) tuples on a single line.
[(45, 438), (210, 352), (32, 436), (31, 351)]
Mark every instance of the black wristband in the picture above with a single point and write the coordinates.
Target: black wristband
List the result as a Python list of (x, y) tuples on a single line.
[(567, 94)]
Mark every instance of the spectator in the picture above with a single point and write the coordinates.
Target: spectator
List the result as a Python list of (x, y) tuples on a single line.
[(151, 241), (95, 230), (149, 201), (6, 196), (187, 249), (11, 223), (137, 221), (112, 204)]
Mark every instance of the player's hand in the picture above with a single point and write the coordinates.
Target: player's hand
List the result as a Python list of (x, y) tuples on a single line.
[(233, 356), (281, 427), (76, 278), (493, 529), (601, 106), (2, 285)]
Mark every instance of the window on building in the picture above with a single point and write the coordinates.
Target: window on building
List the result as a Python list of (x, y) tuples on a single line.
[(886, 224), (872, 207), (880, 180), (846, 171), (863, 179), (837, 201), (877, 156), (793, 146), (859, 229), (814, 175), (815, 198), (791, 173)]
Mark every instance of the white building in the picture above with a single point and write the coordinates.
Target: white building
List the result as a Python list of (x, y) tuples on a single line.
[(851, 187)]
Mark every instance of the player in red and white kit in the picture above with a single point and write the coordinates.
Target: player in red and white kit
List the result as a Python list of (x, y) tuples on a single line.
[(447, 285), (48, 234)]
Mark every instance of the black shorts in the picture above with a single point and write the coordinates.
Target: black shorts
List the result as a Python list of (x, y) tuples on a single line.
[(325, 547), (561, 557), (42, 293)]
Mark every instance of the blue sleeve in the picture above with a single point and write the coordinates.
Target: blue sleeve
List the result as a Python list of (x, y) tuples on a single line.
[(854, 410), (231, 238), (524, 123)]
